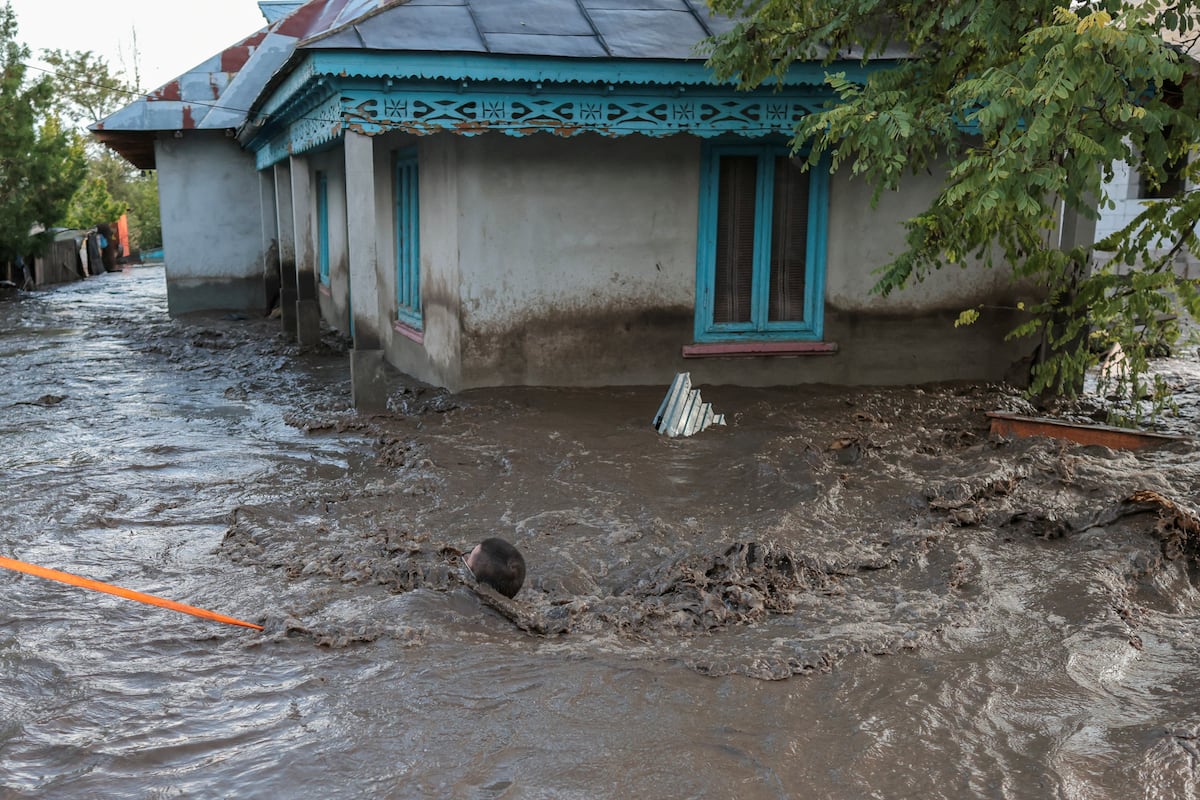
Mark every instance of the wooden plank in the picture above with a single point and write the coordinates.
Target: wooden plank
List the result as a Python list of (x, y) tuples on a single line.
[(1106, 435)]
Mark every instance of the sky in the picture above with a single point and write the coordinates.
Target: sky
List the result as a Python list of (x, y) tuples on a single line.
[(171, 36)]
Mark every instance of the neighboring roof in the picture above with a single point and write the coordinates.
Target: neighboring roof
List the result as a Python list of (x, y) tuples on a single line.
[(275, 10), (213, 95)]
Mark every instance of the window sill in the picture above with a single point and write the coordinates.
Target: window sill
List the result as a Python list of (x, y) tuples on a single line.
[(752, 349), (409, 332)]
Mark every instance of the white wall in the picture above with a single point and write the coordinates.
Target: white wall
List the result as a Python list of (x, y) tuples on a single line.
[(861, 239), (574, 254), (212, 223), (1123, 190)]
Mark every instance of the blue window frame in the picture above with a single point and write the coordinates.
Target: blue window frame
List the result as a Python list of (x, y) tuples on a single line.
[(760, 272), (408, 251), (323, 226)]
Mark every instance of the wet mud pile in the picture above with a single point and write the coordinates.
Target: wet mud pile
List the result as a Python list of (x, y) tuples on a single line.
[(822, 522)]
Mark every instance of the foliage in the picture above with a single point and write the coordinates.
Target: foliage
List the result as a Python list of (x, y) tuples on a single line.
[(1029, 103), (128, 191), (41, 161), (86, 89), (92, 204), (145, 225)]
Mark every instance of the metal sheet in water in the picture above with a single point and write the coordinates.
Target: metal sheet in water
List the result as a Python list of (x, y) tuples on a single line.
[(682, 412)]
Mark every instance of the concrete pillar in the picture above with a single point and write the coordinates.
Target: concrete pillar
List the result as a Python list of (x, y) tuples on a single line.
[(1077, 230), (308, 309), (368, 366), (270, 238), (285, 228)]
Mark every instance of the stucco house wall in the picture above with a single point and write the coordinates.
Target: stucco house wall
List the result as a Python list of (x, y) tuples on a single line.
[(205, 175), (577, 257), (333, 293), (552, 261), (909, 335)]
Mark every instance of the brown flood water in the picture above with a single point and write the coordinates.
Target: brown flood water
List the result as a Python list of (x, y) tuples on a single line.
[(843, 593)]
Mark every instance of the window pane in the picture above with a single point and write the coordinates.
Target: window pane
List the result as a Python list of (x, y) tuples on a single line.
[(789, 242), (323, 226), (735, 239), (408, 260)]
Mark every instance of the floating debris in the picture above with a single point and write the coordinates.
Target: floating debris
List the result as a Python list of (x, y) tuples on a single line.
[(1115, 438), (682, 412), (45, 401)]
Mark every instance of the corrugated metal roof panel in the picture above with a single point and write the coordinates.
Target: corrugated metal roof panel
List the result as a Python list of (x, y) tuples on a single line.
[(217, 93), (422, 27), (650, 29), (626, 5), (649, 33), (539, 45), (549, 17), (682, 412), (243, 87), (275, 10), (353, 9)]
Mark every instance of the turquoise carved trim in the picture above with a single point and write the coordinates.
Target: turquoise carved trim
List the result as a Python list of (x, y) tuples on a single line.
[(705, 114), (481, 67), (315, 128), (506, 109), (467, 94)]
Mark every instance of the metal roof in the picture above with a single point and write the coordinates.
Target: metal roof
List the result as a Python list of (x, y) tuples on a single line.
[(657, 29), (213, 95), (275, 10), (218, 93)]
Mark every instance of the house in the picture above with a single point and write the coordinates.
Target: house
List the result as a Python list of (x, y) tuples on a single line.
[(1129, 193), (544, 192)]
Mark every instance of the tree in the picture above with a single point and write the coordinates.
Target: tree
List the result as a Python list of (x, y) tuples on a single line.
[(41, 161), (145, 224), (92, 204), (1030, 103), (86, 88)]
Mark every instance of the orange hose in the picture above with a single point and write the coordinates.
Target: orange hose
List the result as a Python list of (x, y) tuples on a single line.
[(129, 594)]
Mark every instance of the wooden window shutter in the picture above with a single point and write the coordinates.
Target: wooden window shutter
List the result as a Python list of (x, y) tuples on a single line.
[(735, 239), (789, 243)]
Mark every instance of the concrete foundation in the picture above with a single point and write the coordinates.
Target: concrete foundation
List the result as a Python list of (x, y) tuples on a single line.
[(369, 380), (308, 322), (287, 310), (191, 295)]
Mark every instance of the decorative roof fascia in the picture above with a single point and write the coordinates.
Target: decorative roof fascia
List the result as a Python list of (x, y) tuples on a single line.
[(422, 94), (319, 125), (400, 66), (371, 108), (530, 69)]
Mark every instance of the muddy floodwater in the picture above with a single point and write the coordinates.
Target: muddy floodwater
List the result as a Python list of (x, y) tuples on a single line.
[(842, 593)]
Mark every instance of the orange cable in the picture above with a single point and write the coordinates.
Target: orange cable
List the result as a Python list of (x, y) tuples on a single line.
[(129, 594)]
